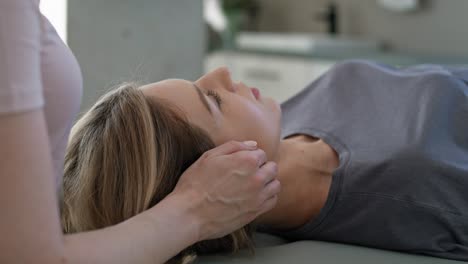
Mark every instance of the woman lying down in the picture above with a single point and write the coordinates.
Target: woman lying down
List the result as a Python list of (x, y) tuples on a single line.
[(367, 155)]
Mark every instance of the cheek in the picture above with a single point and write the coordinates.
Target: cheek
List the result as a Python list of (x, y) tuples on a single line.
[(261, 124)]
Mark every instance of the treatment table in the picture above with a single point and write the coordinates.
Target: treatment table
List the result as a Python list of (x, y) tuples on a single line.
[(274, 250)]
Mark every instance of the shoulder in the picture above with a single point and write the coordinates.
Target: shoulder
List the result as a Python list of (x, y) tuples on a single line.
[(354, 70), (18, 5), (359, 65)]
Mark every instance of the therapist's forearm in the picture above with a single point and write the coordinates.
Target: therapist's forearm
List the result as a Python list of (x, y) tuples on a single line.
[(30, 222), (151, 237)]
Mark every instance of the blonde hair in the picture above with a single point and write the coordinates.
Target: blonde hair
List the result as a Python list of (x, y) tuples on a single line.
[(124, 156)]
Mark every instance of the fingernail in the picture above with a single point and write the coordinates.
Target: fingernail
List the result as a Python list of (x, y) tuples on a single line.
[(250, 143)]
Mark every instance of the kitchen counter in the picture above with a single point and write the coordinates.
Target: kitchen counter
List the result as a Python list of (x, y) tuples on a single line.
[(392, 58)]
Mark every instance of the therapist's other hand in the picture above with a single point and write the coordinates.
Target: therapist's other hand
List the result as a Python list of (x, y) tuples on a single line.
[(228, 187)]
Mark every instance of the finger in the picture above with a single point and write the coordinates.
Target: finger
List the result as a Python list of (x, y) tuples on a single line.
[(252, 159), (268, 172), (232, 147), (268, 205), (271, 189)]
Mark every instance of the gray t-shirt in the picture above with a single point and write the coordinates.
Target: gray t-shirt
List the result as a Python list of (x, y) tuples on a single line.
[(402, 140)]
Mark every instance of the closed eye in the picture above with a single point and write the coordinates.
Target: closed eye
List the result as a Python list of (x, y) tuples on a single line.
[(216, 97)]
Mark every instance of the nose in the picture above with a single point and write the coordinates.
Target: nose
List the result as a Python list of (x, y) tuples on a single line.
[(218, 78)]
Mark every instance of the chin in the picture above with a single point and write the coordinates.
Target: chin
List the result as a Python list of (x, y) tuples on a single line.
[(273, 105), (276, 109)]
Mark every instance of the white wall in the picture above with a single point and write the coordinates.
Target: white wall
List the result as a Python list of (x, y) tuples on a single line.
[(56, 12), (440, 27)]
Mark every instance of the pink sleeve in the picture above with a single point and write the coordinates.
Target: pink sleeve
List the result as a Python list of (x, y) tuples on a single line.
[(20, 65)]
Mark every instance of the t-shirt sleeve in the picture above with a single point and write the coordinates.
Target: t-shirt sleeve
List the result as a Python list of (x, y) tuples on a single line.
[(20, 63)]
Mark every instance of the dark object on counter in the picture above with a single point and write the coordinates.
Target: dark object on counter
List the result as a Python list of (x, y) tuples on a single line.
[(330, 16)]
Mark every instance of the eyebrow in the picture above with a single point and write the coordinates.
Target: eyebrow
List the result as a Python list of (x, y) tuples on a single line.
[(202, 98)]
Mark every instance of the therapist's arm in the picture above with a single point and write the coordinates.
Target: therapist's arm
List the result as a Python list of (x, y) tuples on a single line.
[(29, 222)]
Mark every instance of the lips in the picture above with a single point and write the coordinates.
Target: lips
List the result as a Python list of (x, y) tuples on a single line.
[(256, 93)]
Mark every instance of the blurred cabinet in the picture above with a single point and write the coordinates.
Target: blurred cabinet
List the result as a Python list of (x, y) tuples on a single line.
[(278, 76)]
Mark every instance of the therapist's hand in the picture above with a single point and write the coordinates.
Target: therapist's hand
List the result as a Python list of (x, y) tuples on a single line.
[(228, 187)]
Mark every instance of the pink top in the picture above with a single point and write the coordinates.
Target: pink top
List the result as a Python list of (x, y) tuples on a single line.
[(37, 70)]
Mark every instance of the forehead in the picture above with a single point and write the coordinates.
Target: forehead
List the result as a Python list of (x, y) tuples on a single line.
[(183, 95), (165, 88)]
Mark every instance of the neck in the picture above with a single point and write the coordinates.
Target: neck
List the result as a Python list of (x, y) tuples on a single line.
[(305, 166)]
